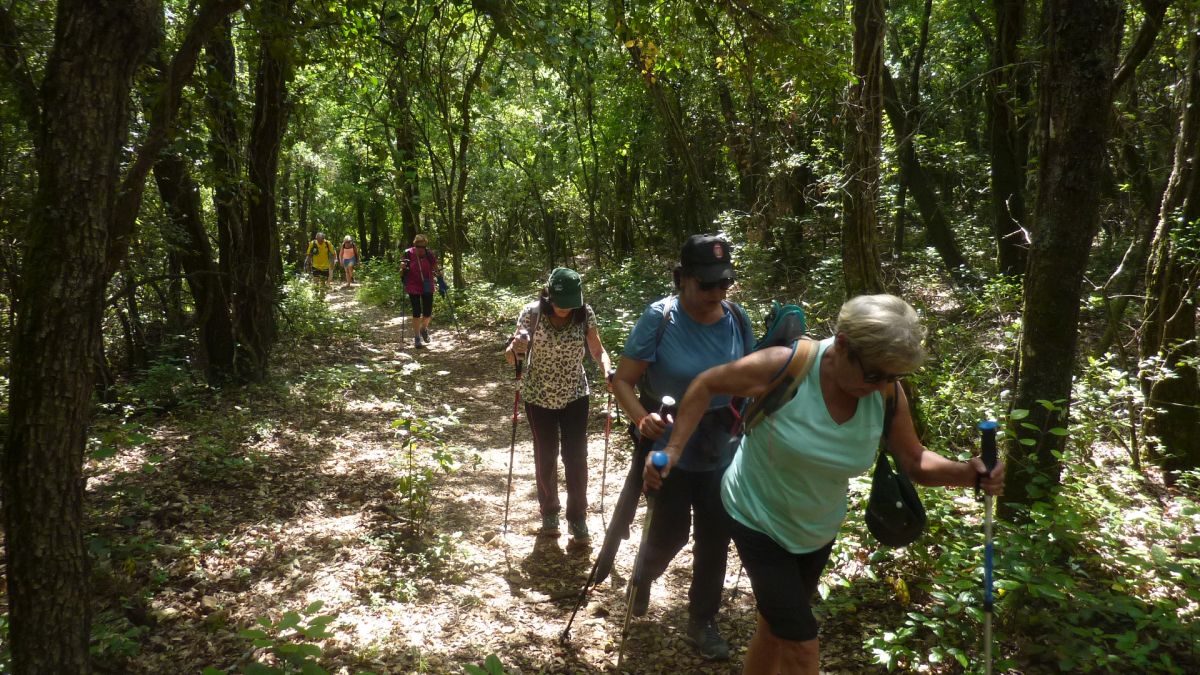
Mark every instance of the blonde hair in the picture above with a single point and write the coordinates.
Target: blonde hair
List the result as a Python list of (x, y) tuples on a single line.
[(884, 330), (420, 239)]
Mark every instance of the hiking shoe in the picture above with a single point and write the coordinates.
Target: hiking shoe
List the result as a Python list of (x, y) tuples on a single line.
[(425, 334), (641, 598), (550, 525), (579, 531), (417, 342), (707, 639)]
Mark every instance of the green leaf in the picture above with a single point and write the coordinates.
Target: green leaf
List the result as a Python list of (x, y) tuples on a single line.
[(212, 671), (314, 607), (1019, 414), (253, 634), (1028, 442), (313, 669), (494, 667), (1058, 431), (289, 620)]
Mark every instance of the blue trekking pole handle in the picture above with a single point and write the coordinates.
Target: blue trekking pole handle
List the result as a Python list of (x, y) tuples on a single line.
[(987, 430)]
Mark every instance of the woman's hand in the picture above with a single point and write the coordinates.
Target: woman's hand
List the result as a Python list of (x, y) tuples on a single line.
[(652, 479), (993, 483), (652, 426)]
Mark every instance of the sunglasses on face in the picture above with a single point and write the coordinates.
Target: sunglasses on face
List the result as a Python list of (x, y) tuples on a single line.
[(723, 284), (875, 376)]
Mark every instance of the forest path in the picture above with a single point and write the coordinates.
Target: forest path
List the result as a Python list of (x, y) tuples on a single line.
[(274, 496), (516, 591)]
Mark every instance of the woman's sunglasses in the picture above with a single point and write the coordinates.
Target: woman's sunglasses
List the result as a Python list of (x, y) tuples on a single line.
[(875, 377), (723, 284)]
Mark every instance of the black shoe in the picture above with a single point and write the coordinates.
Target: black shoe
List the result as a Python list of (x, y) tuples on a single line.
[(641, 598), (707, 639), (425, 334)]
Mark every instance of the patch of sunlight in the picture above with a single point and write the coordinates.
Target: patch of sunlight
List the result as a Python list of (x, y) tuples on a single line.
[(372, 405), (394, 321)]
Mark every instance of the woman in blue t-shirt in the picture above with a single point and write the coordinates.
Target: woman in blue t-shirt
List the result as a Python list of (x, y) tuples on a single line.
[(677, 338), (786, 490)]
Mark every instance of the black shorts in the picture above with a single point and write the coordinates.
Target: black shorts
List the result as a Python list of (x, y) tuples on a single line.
[(324, 274), (422, 305), (783, 582)]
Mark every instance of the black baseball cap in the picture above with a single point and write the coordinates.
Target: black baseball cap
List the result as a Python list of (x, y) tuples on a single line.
[(707, 257)]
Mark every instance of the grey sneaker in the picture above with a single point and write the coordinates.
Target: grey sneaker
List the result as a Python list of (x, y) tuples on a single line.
[(550, 525), (707, 639), (579, 531), (425, 334)]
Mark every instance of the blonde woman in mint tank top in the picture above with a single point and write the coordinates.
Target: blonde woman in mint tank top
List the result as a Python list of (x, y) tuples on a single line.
[(786, 489)]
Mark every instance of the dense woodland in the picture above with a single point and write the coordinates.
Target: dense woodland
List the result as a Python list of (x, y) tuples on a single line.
[(1026, 173)]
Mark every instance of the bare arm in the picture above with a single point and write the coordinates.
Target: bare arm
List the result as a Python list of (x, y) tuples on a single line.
[(598, 352), (749, 376), (929, 468)]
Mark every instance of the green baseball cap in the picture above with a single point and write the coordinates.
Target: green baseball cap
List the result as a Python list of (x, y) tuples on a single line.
[(566, 288)]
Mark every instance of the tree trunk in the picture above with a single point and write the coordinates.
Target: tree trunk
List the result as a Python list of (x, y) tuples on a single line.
[(82, 130), (1006, 94), (188, 241), (937, 226), (256, 265), (1075, 113), (224, 148), (1173, 293), (864, 114)]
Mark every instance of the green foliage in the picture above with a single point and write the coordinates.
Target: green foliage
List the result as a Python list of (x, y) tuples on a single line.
[(307, 315), (423, 457), (114, 639), (491, 666), (292, 640), (1075, 591)]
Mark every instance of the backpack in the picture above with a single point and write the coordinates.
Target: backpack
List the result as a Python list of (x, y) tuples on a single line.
[(785, 326)]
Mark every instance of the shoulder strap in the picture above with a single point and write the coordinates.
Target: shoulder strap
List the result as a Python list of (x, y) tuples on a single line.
[(666, 319), (783, 386), (743, 320), (890, 400)]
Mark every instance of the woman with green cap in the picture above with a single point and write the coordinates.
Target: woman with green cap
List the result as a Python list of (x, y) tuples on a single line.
[(552, 334)]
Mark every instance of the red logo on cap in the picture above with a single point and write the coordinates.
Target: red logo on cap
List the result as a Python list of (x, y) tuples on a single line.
[(718, 251)]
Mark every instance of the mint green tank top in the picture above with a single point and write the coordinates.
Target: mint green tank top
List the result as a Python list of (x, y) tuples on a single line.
[(791, 475)]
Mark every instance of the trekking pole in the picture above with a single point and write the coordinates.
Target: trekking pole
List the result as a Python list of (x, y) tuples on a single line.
[(513, 446), (988, 430), (659, 460), (591, 581), (607, 431)]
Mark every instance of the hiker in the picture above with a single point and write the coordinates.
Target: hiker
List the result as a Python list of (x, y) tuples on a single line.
[(420, 269), (676, 339), (320, 260), (349, 257), (557, 328), (786, 491)]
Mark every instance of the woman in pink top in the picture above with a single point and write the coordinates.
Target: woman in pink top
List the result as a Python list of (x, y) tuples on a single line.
[(349, 258)]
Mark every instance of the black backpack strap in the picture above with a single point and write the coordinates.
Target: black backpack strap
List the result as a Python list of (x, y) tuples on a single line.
[(744, 326)]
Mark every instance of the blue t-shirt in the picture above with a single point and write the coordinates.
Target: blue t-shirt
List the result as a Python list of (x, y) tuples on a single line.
[(687, 349)]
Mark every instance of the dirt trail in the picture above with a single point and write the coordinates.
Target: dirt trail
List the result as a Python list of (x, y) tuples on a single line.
[(518, 593), (273, 497)]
